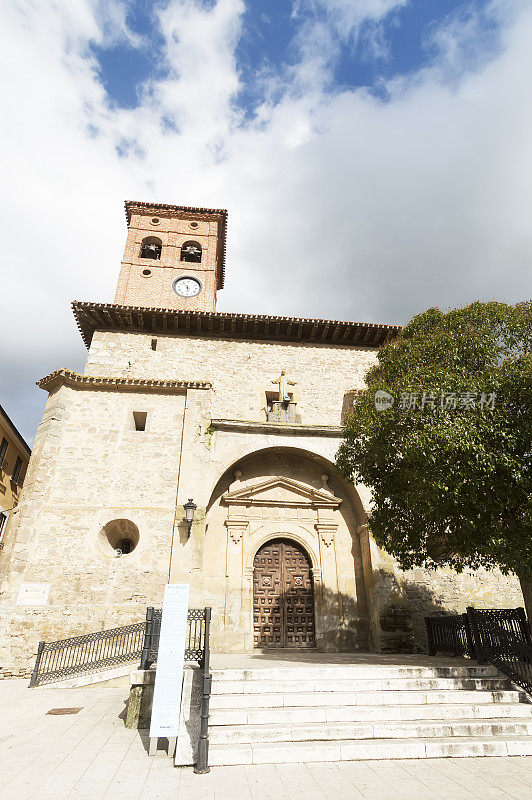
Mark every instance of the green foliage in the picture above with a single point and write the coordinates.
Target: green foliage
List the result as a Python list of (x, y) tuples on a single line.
[(451, 486)]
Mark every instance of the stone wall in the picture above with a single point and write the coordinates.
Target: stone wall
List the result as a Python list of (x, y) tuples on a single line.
[(402, 599), (240, 371), (90, 467)]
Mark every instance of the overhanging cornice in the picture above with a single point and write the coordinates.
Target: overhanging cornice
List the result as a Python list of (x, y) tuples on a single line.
[(66, 377), (91, 317), (281, 428)]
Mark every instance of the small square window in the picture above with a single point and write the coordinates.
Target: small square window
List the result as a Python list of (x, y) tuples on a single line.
[(154, 344), (139, 420)]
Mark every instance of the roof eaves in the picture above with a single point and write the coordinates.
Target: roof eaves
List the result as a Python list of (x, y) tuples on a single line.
[(14, 430), (71, 378)]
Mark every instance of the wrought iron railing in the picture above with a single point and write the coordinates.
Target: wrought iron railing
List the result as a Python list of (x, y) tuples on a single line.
[(450, 635), (502, 638), (91, 652), (499, 636), (194, 642)]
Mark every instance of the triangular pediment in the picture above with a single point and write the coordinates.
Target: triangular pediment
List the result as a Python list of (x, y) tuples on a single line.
[(281, 491)]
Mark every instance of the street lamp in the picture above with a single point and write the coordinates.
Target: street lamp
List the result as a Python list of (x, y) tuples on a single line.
[(190, 507)]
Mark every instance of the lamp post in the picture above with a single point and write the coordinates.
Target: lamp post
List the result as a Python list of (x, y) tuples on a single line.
[(190, 508)]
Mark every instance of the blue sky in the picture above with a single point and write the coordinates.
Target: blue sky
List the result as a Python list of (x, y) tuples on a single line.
[(401, 42), (374, 156)]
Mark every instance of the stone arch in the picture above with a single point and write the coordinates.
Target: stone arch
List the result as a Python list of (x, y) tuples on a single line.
[(249, 453), (291, 493), (273, 530)]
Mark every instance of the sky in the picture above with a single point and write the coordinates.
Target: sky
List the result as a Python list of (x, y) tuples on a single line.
[(375, 157)]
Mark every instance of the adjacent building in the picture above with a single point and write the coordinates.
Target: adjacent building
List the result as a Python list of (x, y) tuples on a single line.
[(14, 458)]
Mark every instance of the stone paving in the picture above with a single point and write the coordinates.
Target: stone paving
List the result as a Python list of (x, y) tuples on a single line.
[(91, 756)]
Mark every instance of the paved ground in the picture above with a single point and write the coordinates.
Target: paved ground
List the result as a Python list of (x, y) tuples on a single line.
[(261, 659), (91, 756)]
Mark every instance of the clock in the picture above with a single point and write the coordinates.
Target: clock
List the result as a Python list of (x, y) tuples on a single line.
[(187, 287)]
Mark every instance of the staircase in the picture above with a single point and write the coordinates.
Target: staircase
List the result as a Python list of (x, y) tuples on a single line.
[(365, 711)]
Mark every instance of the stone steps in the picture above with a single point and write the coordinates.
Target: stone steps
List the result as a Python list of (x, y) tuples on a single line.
[(262, 687), (428, 711), (367, 750), (316, 699), (365, 711), (390, 729), (353, 671)]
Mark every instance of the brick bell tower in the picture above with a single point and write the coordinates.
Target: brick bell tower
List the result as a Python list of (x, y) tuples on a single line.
[(174, 257)]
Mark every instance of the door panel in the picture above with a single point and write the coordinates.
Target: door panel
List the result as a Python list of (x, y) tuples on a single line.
[(283, 602)]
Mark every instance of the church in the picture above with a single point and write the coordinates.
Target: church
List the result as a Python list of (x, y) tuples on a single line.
[(199, 447)]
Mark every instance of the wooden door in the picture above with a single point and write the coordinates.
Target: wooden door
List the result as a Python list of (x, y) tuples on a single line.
[(283, 602)]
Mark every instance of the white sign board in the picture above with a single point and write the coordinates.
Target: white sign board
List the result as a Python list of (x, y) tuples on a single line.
[(33, 594), (170, 658)]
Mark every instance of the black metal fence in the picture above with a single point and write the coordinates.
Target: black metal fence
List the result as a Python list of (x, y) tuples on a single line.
[(195, 636), (92, 652), (450, 635), (499, 636)]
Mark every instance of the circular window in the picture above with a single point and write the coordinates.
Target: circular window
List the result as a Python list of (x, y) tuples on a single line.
[(146, 272), (194, 224), (118, 538), (155, 220)]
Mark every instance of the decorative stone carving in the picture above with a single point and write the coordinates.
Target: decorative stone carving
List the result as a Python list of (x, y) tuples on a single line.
[(283, 382), (281, 492), (326, 531), (236, 528)]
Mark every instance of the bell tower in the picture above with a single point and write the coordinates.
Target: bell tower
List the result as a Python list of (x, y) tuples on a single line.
[(174, 257)]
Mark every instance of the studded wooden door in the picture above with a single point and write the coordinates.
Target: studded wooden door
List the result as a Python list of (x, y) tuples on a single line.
[(283, 602)]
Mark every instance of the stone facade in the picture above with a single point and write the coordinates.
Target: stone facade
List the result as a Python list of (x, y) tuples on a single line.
[(163, 416)]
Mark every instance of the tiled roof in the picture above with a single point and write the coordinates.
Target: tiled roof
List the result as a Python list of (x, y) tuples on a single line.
[(106, 316), (70, 378)]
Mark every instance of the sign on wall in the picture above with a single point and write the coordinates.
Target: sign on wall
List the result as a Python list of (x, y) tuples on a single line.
[(170, 659), (33, 594)]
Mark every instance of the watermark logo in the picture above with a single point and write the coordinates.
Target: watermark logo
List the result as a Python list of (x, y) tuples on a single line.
[(383, 400), (415, 401)]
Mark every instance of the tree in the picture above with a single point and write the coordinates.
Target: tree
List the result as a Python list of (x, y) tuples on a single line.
[(450, 462)]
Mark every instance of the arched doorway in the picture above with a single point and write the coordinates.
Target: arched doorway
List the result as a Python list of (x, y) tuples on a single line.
[(283, 596)]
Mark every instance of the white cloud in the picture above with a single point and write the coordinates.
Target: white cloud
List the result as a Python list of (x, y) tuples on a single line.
[(340, 205)]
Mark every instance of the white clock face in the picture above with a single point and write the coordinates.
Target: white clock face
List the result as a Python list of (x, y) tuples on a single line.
[(187, 287)]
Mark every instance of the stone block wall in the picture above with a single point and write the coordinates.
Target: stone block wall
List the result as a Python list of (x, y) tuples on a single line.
[(402, 599), (240, 371), (90, 467)]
